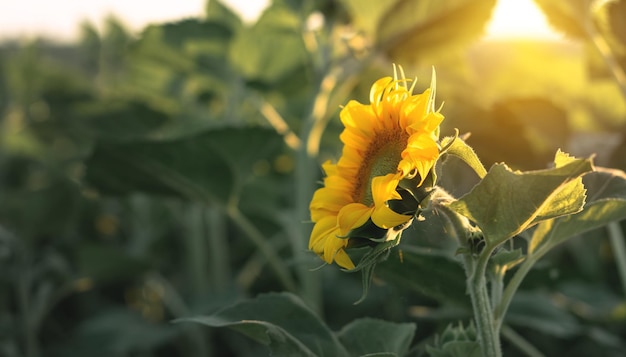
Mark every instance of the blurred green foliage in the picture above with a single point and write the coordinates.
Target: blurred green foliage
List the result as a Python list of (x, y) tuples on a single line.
[(161, 175)]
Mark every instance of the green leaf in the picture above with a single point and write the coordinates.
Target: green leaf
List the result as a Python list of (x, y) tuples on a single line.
[(369, 336), (434, 275), (506, 203), (566, 16), (366, 15), (207, 166), (506, 259), (539, 312), (106, 264), (272, 48), (606, 192), (414, 28), (459, 148), (611, 15), (121, 120), (216, 11), (280, 321)]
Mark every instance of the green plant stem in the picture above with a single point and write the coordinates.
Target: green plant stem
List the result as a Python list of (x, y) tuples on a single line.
[(475, 270), (616, 237), (218, 249), (264, 247), (520, 342), (196, 248), (306, 176), (483, 314), (497, 286), (511, 288)]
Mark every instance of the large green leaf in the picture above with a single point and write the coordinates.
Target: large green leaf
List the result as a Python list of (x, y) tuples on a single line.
[(606, 191), (371, 336), (120, 120), (611, 16), (410, 29), (216, 11), (539, 312), (270, 49), (280, 321), (567, 16), (206, 166), (507, 202), (434, 275)]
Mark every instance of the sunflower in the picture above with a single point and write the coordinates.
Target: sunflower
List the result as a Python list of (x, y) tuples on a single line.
[(393, 138)]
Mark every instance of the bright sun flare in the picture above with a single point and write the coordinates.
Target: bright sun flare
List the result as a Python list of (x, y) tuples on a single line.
[(519, 19)]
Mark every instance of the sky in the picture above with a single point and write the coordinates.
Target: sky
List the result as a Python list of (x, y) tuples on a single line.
[(60, 19)]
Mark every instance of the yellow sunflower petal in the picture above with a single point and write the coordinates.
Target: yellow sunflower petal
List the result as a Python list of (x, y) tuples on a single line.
[(344, 260), (378, 88), (385, 217), (332, 247), (321, 230), (384, 189), (352, 216)]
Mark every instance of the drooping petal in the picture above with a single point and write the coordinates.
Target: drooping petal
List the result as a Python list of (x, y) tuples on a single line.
[(321, 230), (352, 216), (332, 247), (385, 217), (384, 189), (343, 259)]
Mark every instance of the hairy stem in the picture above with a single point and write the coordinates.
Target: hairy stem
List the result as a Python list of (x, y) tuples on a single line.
[(475, 270)]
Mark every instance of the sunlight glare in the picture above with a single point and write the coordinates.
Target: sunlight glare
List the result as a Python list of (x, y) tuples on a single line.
[(519, 19)]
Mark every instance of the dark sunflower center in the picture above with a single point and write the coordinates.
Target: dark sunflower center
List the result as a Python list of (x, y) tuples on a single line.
[(381, 158)]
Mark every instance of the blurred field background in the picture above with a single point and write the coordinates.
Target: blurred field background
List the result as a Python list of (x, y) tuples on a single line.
[(161, 172)]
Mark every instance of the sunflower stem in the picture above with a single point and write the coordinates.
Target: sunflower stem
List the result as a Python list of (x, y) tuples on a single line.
[(475, 270)]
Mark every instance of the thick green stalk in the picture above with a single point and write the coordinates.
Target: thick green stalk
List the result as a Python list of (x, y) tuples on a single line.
[(483, 316), (475, 270)]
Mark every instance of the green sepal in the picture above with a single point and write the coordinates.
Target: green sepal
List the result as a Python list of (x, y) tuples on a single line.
[(456, 341), (378, 252)]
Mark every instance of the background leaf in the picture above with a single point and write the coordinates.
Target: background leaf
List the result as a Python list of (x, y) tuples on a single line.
[(411, 26), (368, 336), (539, 312), (279, 320), (446, 282), (205, 166), (270, 49), (566, 16)]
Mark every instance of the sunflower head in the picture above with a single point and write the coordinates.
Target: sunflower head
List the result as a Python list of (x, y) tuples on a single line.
[(390, 148)]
